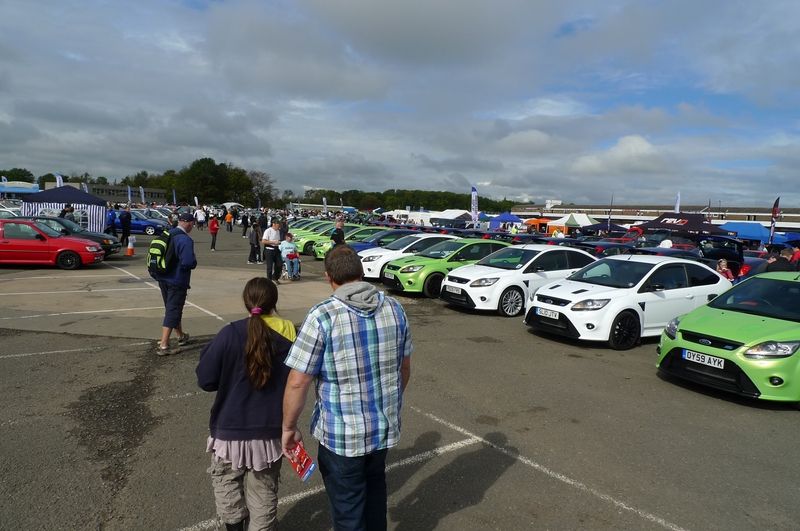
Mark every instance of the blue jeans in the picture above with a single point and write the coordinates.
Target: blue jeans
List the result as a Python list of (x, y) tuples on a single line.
[(292, 267), (356, 488)]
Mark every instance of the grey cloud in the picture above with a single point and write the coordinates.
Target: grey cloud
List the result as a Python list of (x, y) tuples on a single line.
[(456, 181), (66, 112), (463, 163)]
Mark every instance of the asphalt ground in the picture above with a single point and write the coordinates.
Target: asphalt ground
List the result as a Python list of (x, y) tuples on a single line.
[(502, 428)]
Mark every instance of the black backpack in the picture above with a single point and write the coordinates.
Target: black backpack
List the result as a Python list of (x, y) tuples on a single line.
[(160, 254)]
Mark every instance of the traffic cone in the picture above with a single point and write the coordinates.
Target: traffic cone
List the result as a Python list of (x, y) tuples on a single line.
[(130, 250)]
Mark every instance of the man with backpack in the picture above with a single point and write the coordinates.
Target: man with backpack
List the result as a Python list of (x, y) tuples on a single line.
[(173, 276)]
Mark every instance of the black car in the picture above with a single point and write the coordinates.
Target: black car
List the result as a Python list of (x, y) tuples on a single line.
[(109, 243)]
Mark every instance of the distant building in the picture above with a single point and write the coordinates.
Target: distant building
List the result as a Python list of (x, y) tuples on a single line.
[(118, 193)]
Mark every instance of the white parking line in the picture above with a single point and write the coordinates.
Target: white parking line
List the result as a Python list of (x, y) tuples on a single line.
[(288, 500), (111, 275), (193, 305), (558, 476), (73, 291), (84, 349), (80, 312)]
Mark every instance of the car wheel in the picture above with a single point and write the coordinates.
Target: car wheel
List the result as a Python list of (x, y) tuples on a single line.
[(433, 285), (512, 302), (149, 230), (308, 248), (625, 331), (68, 260)]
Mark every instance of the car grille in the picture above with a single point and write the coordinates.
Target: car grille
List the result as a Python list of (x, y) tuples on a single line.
[(710, 341), (561, 326), (457, 280), (460, 299), (732, 378), (392, 267), (392, 283), (546, 299)]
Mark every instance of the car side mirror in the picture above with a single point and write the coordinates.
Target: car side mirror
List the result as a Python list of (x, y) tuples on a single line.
[(657, 287), (40, 237)]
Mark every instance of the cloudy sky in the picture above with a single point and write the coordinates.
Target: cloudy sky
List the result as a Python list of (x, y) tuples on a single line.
[(573, 100)]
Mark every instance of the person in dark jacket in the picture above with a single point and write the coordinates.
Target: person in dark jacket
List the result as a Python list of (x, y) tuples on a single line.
[(125, 224), (244, 365), (338, 232), (174, 283), (781, 262), (111, 218)]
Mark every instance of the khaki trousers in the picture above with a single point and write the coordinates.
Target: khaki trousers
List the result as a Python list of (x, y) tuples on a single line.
[(240, 493)]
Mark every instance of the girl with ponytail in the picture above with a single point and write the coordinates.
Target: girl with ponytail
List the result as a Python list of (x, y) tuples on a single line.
[(244, 365)]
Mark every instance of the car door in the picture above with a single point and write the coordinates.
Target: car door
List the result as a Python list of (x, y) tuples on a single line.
[(706, 283), (665, 294), (22, 242), (471, 253), (546, 267)]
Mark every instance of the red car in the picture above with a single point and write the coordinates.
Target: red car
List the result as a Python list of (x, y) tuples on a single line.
[(23, 241)]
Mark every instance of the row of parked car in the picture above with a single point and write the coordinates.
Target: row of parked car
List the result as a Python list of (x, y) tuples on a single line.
[(742, 339)]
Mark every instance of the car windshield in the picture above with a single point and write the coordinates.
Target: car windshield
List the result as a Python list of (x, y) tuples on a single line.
[(71, 225), (613, 273), (137, 215), (402, 243), (442, 250), (509, 258), (322, 228), (48, 230), (767, 297)]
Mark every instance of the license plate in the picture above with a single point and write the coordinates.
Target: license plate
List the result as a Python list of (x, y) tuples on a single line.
[(388, 274), (550, 314), (704, 359), (452, 289)]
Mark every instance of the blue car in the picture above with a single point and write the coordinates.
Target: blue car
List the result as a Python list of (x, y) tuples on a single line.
[(379, 239), (141, 224)]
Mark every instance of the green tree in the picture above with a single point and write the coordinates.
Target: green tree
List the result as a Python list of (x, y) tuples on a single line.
[(18, 174)]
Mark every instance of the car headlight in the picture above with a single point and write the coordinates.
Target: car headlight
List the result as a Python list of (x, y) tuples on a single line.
[(672, 328), (371, 258), (481, 282), (772, 349), (589, 305), (411, 269), (92, 248), (107, 242)]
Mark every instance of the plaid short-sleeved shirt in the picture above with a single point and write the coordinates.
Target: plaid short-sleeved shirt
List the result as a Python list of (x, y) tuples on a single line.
[(355, 356)]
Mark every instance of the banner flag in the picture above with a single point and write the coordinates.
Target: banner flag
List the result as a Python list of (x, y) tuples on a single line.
[(324, 205), (129, 195), (59, 179), (141, 194), (174, 199), (608, 221), (474, 205), (196, 202), (3, 178), (85, 187), (776, 212), (678, 202)]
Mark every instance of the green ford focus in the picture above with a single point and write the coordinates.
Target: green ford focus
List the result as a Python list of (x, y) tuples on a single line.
[(745, 341), (424, 272)]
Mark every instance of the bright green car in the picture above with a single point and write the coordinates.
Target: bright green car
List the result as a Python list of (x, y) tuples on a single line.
[(745, 341), (311, 228), (305, 244), (321, 248), (424, 272)]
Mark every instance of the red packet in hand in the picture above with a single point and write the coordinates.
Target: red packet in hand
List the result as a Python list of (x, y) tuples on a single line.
[(302, 462)]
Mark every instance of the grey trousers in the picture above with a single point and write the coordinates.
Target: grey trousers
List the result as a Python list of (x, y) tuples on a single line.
[(240, 493)]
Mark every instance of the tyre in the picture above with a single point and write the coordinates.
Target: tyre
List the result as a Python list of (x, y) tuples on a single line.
[(625, 331), (512, 302), (68, 260), (433, 285), (149, 230), (308, 248)]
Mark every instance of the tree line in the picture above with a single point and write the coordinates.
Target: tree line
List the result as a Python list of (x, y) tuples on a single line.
[(213, 182)]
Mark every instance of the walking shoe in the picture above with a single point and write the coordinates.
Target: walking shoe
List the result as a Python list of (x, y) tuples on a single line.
[(163, 351), (250, 262), (184, 339), (259, 262), (212, 250)]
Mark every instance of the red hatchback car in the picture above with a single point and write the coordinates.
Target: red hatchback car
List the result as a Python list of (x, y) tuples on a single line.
[(23, 241)]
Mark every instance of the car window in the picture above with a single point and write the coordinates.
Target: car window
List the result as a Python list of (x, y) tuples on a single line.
[(613, 273), (425, 243), (669, 277), (577, 260), (762, 296), (551, 261), (700, 276), (19, 231), (50, 223), (475, 251), (509, 258)]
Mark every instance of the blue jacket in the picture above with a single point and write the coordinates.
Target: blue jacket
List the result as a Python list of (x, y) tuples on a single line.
[(110, 217), (183, 259), (241, 412)]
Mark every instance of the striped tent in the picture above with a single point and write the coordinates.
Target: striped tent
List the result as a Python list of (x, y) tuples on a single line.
[(90, 210)]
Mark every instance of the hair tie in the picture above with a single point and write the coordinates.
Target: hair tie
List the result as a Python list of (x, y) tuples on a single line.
[(255, 311)]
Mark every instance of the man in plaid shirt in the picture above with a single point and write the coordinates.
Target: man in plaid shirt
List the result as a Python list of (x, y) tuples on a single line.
[(357, 346)]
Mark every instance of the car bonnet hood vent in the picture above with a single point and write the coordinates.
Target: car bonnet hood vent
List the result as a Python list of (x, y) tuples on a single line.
[(579, 291)]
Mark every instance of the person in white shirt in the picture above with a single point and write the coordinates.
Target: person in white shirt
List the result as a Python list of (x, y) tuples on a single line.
[(200, 217), (272, 256)]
